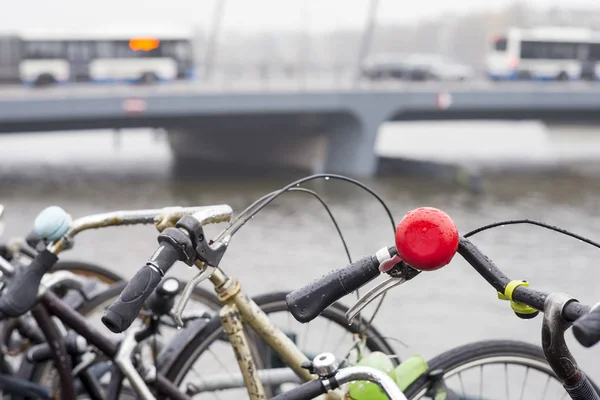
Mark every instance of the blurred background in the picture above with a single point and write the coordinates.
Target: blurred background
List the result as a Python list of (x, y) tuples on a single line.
[(487, 110)]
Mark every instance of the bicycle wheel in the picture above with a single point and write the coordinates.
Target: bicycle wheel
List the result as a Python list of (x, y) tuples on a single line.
[(467, 368), (207, 349)]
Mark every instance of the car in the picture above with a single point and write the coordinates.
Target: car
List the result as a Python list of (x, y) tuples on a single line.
[(393, 66), (439, 67)]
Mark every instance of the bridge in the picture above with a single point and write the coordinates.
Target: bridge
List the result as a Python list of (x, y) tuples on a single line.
[(317, 125)]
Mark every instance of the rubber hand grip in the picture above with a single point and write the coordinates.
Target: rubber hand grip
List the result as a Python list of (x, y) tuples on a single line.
[(587, 328), (22, 291), (306, 391), (305, 304), (120, 315), (34, 240)]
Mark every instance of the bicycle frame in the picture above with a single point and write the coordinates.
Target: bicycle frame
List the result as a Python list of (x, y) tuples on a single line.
[(238, 308), (52, 305)]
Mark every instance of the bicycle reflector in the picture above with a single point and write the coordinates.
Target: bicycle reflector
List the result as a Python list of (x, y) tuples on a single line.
[(426, 239)]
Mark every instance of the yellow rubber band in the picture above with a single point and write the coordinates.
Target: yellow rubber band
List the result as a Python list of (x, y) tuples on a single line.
[(517, 307)]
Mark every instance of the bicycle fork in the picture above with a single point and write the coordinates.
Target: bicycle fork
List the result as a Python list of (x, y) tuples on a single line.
[(239, 307), (557, 352)]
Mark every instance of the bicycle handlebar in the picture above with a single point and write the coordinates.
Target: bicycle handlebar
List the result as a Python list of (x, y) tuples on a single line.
[(55, 225), (315, 388), (522, 294), (120, 315), (587, 328), (21, 294), (177, 243), (305, 304), (427, 241)]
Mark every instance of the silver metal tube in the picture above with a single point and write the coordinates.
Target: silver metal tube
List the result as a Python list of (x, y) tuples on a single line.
[(380, 378), (162, 218), (187, 293), (123, 361), (274, 376), (208, 214)]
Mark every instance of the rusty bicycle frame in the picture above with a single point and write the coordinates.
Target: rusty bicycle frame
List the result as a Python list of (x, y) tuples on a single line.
[(239, 308)]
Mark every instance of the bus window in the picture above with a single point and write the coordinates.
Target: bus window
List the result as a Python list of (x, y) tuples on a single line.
[(500, 44), (79, 51), (594, 52), (179, 50), (38, 50), (549, 50), (105, 49)]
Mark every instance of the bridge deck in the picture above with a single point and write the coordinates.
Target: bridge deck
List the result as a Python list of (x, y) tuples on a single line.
[(14, 92), (25, 109)]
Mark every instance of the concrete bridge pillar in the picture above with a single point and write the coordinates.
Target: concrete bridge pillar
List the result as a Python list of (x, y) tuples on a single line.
[(351, 145), (340, 142)]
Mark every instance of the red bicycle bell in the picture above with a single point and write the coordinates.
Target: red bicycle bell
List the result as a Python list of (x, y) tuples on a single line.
[(426, 239)]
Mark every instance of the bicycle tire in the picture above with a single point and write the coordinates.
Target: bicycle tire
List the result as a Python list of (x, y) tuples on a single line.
[(88, 270), (180, 354), (452, 360)]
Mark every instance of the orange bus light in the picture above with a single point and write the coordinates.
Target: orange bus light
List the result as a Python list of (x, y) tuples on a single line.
[(144, 44)]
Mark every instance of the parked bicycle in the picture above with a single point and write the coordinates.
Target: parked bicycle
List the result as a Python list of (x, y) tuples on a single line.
[(426, 240), (18, 297), (60, 239), (284, 361)]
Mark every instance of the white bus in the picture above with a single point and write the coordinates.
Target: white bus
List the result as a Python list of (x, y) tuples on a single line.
[(133, 56), (553, 53)]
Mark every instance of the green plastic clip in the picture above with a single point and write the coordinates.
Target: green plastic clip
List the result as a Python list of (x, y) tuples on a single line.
[(522, 310)]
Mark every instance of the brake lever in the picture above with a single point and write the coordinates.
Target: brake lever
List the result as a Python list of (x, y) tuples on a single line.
[(399, 273), (207, 256), (205, 273)]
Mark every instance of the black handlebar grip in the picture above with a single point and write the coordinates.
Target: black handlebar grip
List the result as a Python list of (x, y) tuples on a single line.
[(120, 315), (306, 303), (587, 328), (34, 240), (306, 391), (21, 294)]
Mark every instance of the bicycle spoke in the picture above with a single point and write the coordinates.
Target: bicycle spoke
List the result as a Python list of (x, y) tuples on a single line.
[(304, 339), (339, 342), (546, 387), (220, 362), (462, 385), (525, 383), (480, 382), (506, 380), (325, 335)]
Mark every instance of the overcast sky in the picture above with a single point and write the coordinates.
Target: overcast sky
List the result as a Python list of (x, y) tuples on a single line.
[(249, 15)]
